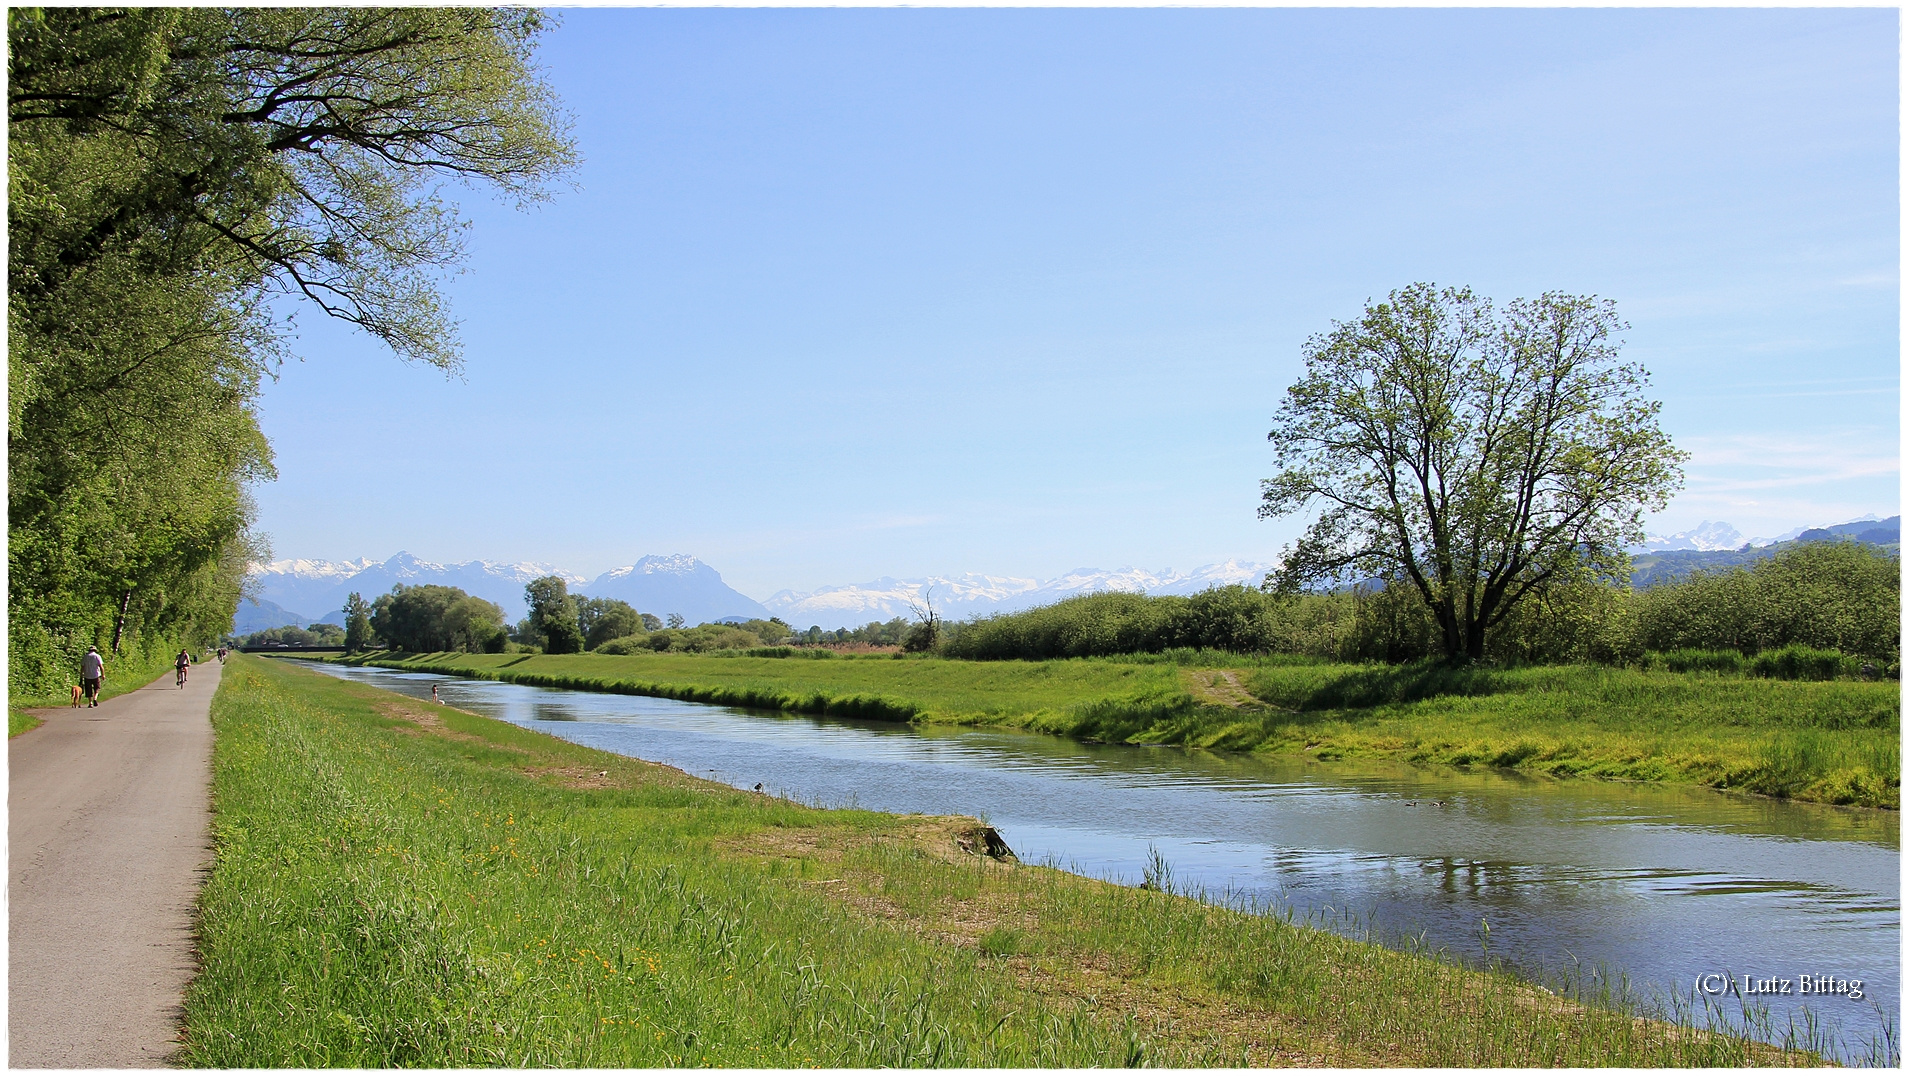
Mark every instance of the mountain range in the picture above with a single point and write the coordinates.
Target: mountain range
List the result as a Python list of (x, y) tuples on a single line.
[(684, 585), (676, 584), (1710, 537), (961, 596), (1661, 566)]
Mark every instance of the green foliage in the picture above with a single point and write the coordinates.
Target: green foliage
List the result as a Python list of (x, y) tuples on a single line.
[(357, 623), (704, 638), (1797, 663), (874, 633), (169, 172), (1716, 661), (316, 635), (431, 618), (1830, 595), (628, 644), (772, 632), (603, 619), (1356, 623), (1827, 595), (1479, 459), (554, 616)]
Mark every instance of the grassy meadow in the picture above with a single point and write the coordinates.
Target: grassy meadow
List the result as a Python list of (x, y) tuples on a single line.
[(398, 883), (1834, 741)]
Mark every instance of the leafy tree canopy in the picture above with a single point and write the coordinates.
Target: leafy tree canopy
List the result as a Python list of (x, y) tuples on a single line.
[(603, 619), (554, 614), (431, 618), (1474, 455), (171, 173)]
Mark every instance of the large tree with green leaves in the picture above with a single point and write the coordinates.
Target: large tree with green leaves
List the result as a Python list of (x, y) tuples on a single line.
[(357, 613), (554, 614), (1475, 456), (173, 174)]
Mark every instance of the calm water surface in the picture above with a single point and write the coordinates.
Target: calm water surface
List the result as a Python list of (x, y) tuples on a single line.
[(1670, 888)]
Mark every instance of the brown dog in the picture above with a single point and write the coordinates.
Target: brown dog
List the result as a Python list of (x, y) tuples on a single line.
[(76, 695)]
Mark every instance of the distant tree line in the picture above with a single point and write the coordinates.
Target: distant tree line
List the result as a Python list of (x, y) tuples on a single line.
[(430, 618), (292, 635), (1830, 596)]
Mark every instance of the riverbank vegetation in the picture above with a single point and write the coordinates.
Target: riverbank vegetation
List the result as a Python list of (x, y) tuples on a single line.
[(398, 883), (1824, 741), (1842, 596)]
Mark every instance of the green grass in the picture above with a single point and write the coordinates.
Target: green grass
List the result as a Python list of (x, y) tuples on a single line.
[(398, 883), (1828, 742), (883, 687)]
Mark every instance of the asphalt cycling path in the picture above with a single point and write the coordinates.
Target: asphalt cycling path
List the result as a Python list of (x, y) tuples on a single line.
[(108, 839)]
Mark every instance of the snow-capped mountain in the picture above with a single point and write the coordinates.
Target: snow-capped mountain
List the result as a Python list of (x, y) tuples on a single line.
[(678, 584), (323, 584), (972, 594), (684, 585), (1707, 537), (954, 597), (1718, 537)]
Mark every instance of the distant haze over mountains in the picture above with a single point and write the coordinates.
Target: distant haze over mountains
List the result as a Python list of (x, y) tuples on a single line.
[(1712, 537), (289, 590), (685, 585), (675, 584), (322, 584), (1707, 536), (661, 585), (961, 596)]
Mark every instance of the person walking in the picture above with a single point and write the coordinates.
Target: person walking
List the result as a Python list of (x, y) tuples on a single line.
[(92, 671)]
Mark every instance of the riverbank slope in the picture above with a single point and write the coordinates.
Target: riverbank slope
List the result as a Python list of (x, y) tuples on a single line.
[(1828, 742), (399, 883)]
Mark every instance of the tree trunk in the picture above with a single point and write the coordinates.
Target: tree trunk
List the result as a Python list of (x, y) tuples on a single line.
[(1474, 642), (119, 624)]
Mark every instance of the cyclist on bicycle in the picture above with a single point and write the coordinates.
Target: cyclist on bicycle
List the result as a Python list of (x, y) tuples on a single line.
[(182, 663)]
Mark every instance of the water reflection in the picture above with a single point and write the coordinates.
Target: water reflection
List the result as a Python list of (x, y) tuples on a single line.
[(1658, 885)]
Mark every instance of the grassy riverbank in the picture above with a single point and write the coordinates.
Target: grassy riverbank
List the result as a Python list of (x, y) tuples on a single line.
[(398, 883), (1828, 742)]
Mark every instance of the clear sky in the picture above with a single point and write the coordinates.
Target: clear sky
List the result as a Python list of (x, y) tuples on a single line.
[(851, 293)]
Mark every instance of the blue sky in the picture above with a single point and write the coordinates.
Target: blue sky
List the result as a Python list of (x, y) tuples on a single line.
[(850, 293)]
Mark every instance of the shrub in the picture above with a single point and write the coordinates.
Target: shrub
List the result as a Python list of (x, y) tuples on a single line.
[(1717, 661), (1829, 595), (1797, 663), (627, 644)]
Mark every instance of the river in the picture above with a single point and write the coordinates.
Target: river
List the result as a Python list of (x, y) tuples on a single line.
[(1674, 891)]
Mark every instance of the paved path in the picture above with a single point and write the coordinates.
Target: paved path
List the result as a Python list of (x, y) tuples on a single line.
[(108, 831)]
